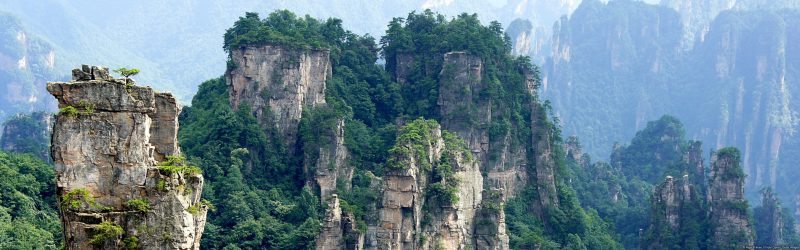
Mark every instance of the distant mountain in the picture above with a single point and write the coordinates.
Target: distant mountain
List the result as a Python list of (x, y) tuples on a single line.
[(26, 62), (614, 66)]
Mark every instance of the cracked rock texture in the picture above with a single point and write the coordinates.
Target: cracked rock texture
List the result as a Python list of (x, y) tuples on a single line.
[(410, 219), (278, 83), (106, 155), (730, 226)]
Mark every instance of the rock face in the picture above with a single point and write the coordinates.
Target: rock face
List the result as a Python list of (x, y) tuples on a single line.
[(26, 63), (675, 208), (418, 209), (278, 83), (112, 193), (327, 169), (330, 164), (460, 88), (696, 16), (728, 216), (339, 230), (28, 133)]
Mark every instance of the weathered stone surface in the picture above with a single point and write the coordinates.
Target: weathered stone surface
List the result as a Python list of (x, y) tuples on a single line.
[(490, 224), (460, 89), (331, 164), (110, 152), (339, 230), (278, 83), (86, 73), (402, 221), (105, 95), (730, 226), (164, 131)]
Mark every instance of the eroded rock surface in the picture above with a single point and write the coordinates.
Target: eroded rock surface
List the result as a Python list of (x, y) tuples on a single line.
[(730, 226), (106, 151), (277, 83), (417, 210)]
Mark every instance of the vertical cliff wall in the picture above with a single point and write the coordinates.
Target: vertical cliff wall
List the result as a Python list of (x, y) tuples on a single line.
[(26, 63), (728, 216), (115, 186), (465, 110), (676, 216), (278, 82), (432, 191)]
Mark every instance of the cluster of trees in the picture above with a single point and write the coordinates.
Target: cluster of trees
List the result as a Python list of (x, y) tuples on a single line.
[(28, 210), (259, 188), (263, 190)]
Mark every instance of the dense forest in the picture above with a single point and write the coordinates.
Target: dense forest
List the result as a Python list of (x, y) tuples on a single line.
[(453, 109)]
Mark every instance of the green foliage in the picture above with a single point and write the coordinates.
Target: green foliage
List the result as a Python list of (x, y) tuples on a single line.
[(105, 231), (28, 203), (178, 164), (655, 151), (161, 185), (735, 172), (420, 40), (88, 107), (127, 73), (195, 209), (71, 111), (413, 140), (68, 111), (140, 205), (28, 136), (78, 198), (280, 27), (131, 242)]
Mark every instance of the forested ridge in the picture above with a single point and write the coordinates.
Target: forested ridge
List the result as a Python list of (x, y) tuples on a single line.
[(264, 192)]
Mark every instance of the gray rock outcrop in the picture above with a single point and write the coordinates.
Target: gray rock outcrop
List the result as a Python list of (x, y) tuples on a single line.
[(728, 217), (278, 83), (417, 210), (107, 142)]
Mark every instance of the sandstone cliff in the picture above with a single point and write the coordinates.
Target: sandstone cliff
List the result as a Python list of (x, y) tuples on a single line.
[(328, 169), (676, 211), (278, 82), (119, 181), (728, 215), (433, 188), (466, 111)]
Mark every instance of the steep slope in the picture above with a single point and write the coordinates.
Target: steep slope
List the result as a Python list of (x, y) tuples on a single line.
[(730, 226), (119, 176), (632, 65), (26, 62), (332, 157), (605, 69), (278, 83)]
